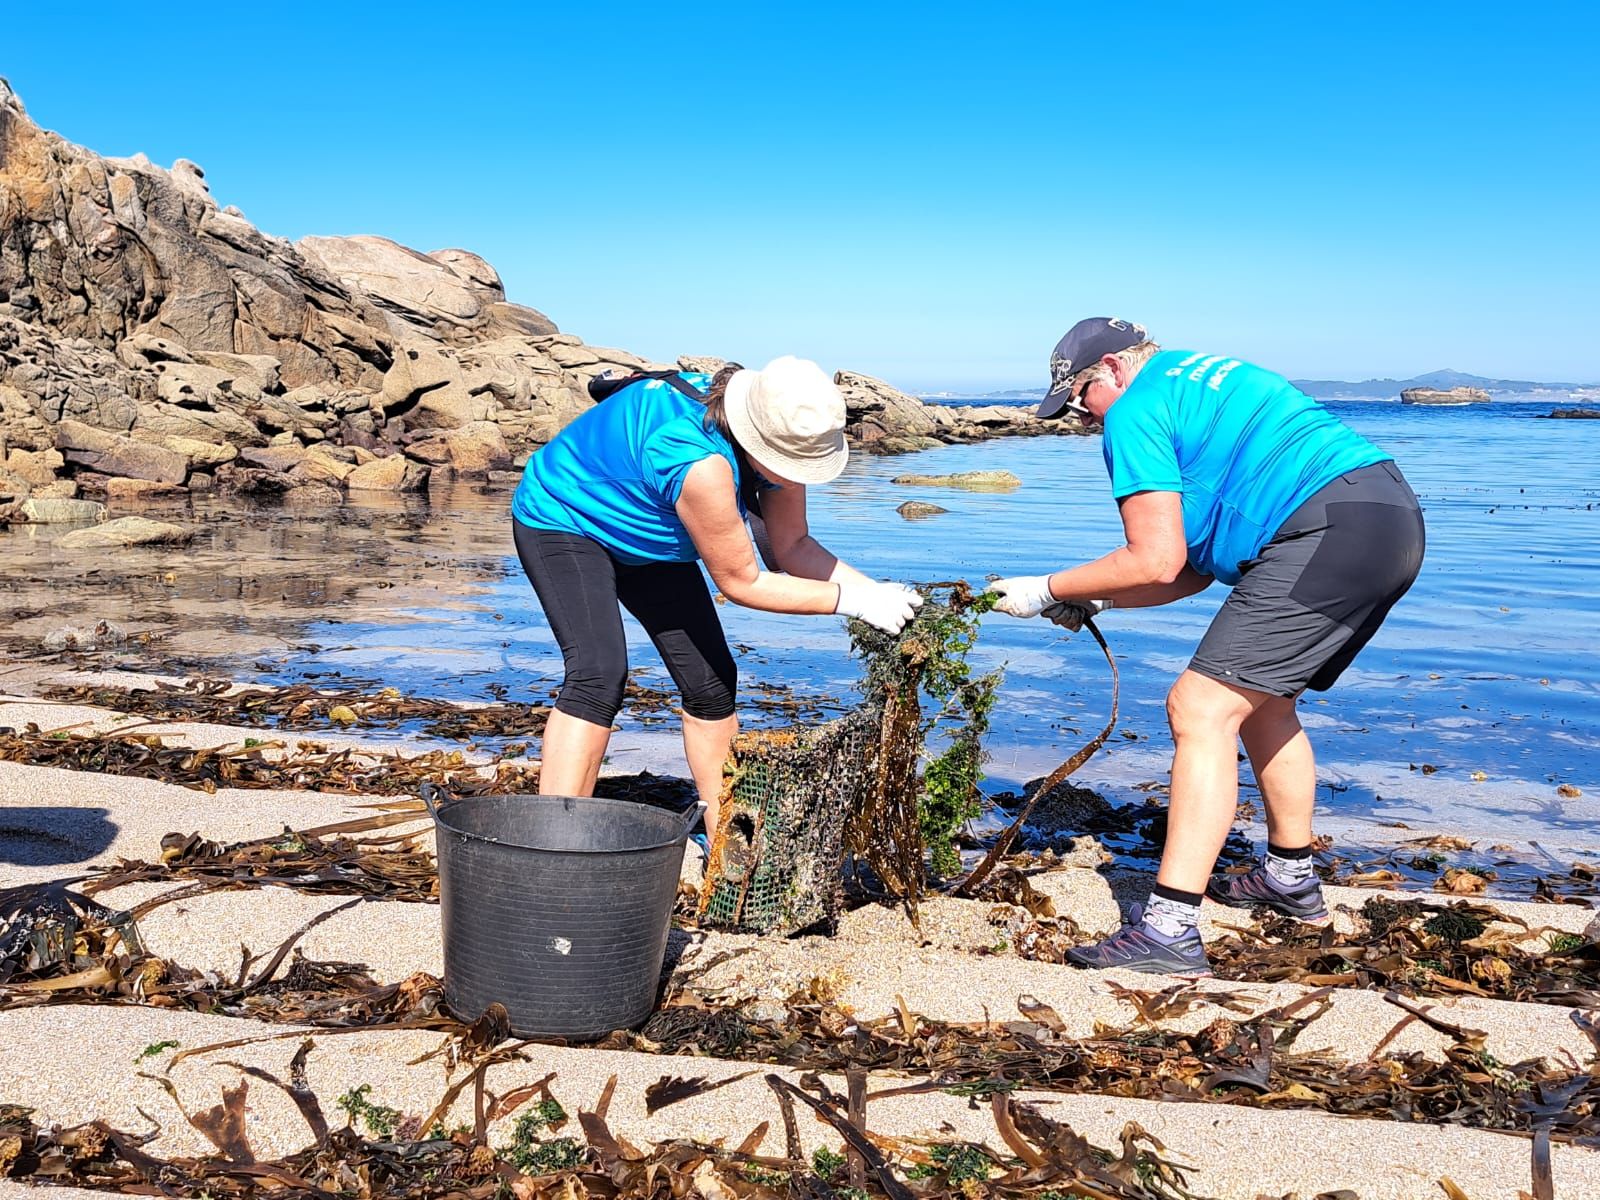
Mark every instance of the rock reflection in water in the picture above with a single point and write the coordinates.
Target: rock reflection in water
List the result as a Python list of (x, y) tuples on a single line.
[(256, 577)]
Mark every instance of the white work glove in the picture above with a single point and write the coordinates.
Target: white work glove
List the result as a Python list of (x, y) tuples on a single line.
[(1023, 595), (888, 606), (1071, 614)]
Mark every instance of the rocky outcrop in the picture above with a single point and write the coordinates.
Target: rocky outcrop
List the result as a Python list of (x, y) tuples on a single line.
[(1574, 414), (1455, 397), (149, 335), (884, 420)]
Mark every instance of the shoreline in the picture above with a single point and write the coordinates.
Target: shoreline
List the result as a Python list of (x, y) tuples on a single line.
[(1354, 844)]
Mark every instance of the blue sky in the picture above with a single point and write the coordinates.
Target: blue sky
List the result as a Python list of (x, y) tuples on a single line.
[(923, 193)]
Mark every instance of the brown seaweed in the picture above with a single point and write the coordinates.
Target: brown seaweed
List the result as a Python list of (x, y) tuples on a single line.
[(674, 1089), (417, 1160), (1423, 949), (306, 706), (1060, 775), (1250, 1061), (102, 962), (306, 766)]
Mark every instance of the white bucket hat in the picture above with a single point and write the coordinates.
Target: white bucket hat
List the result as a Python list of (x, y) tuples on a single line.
[(789, 418)]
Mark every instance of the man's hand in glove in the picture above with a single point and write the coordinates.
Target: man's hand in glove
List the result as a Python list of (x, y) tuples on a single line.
[(1023, 595), (1071, 614), (888, 606)]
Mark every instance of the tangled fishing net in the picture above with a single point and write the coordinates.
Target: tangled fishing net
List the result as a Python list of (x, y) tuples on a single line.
[(799, 802)]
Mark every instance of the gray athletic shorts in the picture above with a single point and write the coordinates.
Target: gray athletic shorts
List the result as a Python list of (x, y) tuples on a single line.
[(1320, 588)]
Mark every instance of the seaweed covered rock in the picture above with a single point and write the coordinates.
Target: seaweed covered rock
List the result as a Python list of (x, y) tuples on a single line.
[(966, 481)]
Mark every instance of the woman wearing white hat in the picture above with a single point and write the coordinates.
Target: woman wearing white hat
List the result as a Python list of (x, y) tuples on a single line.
[(620, 505)]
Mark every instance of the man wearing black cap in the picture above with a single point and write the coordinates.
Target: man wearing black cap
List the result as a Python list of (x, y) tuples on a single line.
[(1225, 471)]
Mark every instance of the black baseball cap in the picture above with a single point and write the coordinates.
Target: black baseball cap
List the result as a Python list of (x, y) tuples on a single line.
[(1085, 344)]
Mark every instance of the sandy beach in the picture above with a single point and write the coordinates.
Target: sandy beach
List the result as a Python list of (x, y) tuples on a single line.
[(953, 967)]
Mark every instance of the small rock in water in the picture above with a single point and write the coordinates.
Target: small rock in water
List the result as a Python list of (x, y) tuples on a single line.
[(36, 511), (971, 481), (1066, 808), (126, 531), (313, 495), (911, 510), (91, 637)]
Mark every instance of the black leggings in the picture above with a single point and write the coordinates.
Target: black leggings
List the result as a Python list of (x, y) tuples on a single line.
[(579, 585)]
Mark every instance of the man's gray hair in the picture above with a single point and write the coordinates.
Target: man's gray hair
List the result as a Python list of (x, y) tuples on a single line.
[(1132, 358)]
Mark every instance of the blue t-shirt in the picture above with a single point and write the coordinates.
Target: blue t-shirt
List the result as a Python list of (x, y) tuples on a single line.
[(1244, 446), (614, 474)]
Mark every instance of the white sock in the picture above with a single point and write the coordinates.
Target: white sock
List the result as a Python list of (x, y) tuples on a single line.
[(1290, 872), (1173, 918)]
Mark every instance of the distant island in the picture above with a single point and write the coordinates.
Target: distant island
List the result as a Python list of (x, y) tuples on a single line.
[(1328, 389), (1443, 381)]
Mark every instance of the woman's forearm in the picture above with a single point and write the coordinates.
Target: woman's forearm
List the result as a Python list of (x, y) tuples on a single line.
[(810, 559), (771, 592)]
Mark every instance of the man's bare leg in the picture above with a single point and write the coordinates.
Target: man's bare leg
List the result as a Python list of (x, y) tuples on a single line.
[(1285, 767), (1280, 755), (1205, 716), (571, 751)]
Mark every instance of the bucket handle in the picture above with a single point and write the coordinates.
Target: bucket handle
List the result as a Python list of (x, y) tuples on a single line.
[(693, 814), (433, 797)]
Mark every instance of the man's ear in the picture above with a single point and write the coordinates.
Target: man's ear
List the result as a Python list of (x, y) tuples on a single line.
[(1117, 368)]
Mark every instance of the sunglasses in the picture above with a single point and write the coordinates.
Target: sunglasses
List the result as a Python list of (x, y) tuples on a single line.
[(1075, 402)]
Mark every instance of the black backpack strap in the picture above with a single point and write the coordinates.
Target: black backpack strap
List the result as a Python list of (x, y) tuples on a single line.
[(683, 385), (606, 384)]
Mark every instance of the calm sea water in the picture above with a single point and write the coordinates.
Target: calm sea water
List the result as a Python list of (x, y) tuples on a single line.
[(1487, 672)]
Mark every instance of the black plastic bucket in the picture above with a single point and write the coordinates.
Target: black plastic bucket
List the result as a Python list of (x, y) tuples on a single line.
[(558, 907)]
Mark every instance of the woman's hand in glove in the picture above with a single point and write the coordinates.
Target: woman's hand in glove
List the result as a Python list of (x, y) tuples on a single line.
[(888, 606)]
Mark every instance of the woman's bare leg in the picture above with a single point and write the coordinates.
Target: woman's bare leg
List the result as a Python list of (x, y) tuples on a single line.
[(571, 751), (705, 745)]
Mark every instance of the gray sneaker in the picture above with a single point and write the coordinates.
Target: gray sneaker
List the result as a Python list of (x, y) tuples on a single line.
[(1256, 888), (1137, 947)]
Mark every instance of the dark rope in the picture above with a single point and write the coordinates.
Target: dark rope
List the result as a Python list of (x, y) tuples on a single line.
[(967, 885)]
